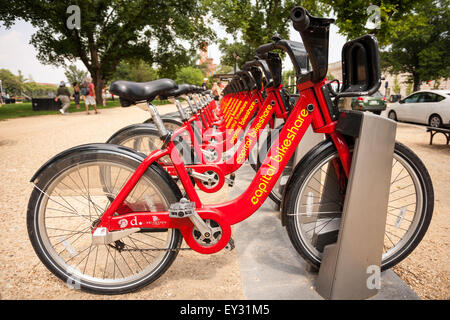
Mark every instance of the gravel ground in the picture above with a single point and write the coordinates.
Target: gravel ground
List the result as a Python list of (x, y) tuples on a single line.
[(427, 269), (25, 144)]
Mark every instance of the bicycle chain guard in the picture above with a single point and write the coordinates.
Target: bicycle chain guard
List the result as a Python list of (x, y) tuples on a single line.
[(208, 248)]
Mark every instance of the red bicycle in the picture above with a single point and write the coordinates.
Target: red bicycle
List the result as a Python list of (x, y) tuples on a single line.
[(112, 220), (239, 108)]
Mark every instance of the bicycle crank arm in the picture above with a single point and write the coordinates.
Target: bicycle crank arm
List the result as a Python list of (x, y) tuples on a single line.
[(200, 176), (201, 226)]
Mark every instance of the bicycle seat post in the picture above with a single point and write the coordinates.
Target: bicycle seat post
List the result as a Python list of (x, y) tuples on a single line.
[(189, 101), (196, 103), (183, 116), (157, 120)]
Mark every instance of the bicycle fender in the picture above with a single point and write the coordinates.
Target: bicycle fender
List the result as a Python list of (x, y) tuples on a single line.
[(132, 126), (91, 146)]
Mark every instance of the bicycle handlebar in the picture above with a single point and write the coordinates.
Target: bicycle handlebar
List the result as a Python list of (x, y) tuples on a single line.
[(315, 33), (260, 64)]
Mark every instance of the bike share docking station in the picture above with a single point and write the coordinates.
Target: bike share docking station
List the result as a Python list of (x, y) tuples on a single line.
[(348, 265), (353, 245)]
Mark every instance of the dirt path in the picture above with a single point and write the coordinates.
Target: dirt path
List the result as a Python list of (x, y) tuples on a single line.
[(25, 144), (427, 269)]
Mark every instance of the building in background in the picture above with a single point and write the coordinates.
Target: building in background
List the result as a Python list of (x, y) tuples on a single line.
[(206, 63)]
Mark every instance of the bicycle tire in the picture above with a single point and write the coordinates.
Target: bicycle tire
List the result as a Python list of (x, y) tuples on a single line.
[(38, 231), (311, 162)]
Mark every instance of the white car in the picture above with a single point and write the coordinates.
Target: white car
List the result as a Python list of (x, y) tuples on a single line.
[(430, 107)]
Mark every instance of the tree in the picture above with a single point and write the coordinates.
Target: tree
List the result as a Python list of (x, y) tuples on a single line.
[(251, 23), (17, 85), (190, 75), (420, 46), (223, 68), (73, 74), (11, 84), (358, 17), (285, 80), (135, 70), (396, 88), (110, 31)]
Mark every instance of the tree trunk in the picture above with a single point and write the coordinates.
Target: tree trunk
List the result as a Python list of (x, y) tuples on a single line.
[(98, 83), (417, 82)]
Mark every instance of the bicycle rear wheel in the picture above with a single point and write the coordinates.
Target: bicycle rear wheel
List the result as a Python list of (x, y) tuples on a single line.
[(146, 139), (68, 199)]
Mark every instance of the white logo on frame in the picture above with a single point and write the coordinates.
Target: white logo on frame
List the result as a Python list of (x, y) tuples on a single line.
[(123, 223)]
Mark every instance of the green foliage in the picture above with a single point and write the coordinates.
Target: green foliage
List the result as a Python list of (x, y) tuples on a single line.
[(285, 77), (409, 88), (190, 75), (10, 83), (17, 85), (25, 109), (420, 45), (35, 90), (112, 31), (251, 23), (352, 17), (73, 74), (396, 86), (223, 69), (136, 70), (330, 76)]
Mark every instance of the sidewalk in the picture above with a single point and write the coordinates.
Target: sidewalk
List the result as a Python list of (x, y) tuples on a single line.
[(271, 268)]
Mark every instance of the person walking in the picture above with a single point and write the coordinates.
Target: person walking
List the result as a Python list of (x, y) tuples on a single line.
[(90, 97), (204, 85), (76, 94), (216, 91), (63, 95)]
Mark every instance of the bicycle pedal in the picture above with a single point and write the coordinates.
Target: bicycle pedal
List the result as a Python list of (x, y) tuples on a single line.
[(182, 209), (230, 245)]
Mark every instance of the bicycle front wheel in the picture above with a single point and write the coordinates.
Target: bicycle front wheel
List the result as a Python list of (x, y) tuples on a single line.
[(67, 202), (313, 210)]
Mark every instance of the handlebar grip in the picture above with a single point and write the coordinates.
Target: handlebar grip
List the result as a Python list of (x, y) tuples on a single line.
[(300, 18)]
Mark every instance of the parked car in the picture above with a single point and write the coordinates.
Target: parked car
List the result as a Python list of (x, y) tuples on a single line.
[(375, 103), (430, 107)]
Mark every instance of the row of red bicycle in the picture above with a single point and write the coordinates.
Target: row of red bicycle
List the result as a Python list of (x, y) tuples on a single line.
[(111, 217)]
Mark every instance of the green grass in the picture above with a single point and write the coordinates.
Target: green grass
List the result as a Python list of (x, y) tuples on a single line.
[(19, 110)]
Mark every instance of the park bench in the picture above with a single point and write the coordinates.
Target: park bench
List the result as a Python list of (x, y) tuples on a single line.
[(433, 131)]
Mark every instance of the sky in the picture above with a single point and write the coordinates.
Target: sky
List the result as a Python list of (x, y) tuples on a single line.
[(17, 54)]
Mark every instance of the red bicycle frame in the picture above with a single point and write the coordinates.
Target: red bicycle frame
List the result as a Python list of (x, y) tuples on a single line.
[(310, 109), (270, 106)]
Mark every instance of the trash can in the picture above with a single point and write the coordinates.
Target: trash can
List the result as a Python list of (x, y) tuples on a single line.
[(40, 104)]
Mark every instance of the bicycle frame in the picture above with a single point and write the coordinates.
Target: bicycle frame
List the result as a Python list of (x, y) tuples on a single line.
[(310, 109), (270, 106)]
